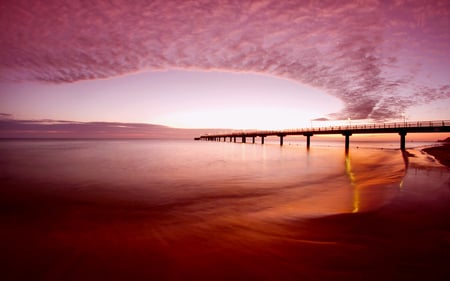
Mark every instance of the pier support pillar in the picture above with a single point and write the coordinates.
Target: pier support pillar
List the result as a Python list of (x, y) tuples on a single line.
[(402, 140), (281, 140), (253, 139), (243, 139), (347, 140), (234, 139), (262, 139), (308, 140)]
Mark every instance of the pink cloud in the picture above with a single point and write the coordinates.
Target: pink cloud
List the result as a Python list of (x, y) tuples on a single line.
[(347, 48)]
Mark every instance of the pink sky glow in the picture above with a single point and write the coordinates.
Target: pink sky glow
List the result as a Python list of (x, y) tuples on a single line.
[(264, 64)]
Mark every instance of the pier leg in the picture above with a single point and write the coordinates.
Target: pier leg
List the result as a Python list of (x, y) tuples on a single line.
[(308, 140), (253, 139), (281, 140), (402, 140), (262, 140), (347, 141), (243, 140), (234, 139)]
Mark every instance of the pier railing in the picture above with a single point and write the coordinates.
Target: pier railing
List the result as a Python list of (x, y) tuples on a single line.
[(402, 128), (340, 128)]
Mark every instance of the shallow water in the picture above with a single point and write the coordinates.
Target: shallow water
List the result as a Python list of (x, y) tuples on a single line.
[(288, 181), (177, 210)]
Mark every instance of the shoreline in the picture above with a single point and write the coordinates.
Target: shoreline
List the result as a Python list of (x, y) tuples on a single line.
[(441, 153)]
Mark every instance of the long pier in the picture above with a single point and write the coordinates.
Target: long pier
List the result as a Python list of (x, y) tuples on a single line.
[(400, 128)]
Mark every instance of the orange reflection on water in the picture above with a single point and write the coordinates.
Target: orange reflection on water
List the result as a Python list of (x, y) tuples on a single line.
[(374, 178), (351, 176), (368, 179)]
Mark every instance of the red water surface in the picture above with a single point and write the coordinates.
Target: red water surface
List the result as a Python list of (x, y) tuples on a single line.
[(48, 237), (369, 215)]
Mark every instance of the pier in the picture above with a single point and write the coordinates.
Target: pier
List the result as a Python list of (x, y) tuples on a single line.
[(400, 128)]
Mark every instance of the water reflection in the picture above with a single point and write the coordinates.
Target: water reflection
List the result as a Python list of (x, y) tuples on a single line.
[(351, 176), (405, 156), (278, 182), (374, 178)]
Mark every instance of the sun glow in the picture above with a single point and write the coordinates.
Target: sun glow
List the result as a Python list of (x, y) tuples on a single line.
[(239, 118), (247, 101)]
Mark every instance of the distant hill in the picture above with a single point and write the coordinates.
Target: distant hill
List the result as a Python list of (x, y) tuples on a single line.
[(13, 128)]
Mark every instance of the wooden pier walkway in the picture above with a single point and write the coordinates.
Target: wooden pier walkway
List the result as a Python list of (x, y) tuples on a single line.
[(401, 128)]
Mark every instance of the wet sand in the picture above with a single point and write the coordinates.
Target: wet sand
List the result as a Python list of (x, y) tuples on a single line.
[(46, 236), (441, 153)]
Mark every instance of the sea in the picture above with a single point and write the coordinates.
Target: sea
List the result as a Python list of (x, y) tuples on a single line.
[(206, 210)]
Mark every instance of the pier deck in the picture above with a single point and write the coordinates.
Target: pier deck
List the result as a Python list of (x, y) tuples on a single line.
[(401, 128)]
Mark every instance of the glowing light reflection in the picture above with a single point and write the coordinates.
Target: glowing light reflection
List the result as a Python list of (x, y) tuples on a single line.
[(351, 176)]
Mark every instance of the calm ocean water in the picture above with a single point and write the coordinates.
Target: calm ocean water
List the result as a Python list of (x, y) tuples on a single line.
[(168, 196), (256, 179)]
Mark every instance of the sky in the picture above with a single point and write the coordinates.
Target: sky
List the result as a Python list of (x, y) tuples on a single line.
[(262, 64)]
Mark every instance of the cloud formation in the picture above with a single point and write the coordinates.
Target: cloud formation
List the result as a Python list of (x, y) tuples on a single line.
[(358, 51)]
